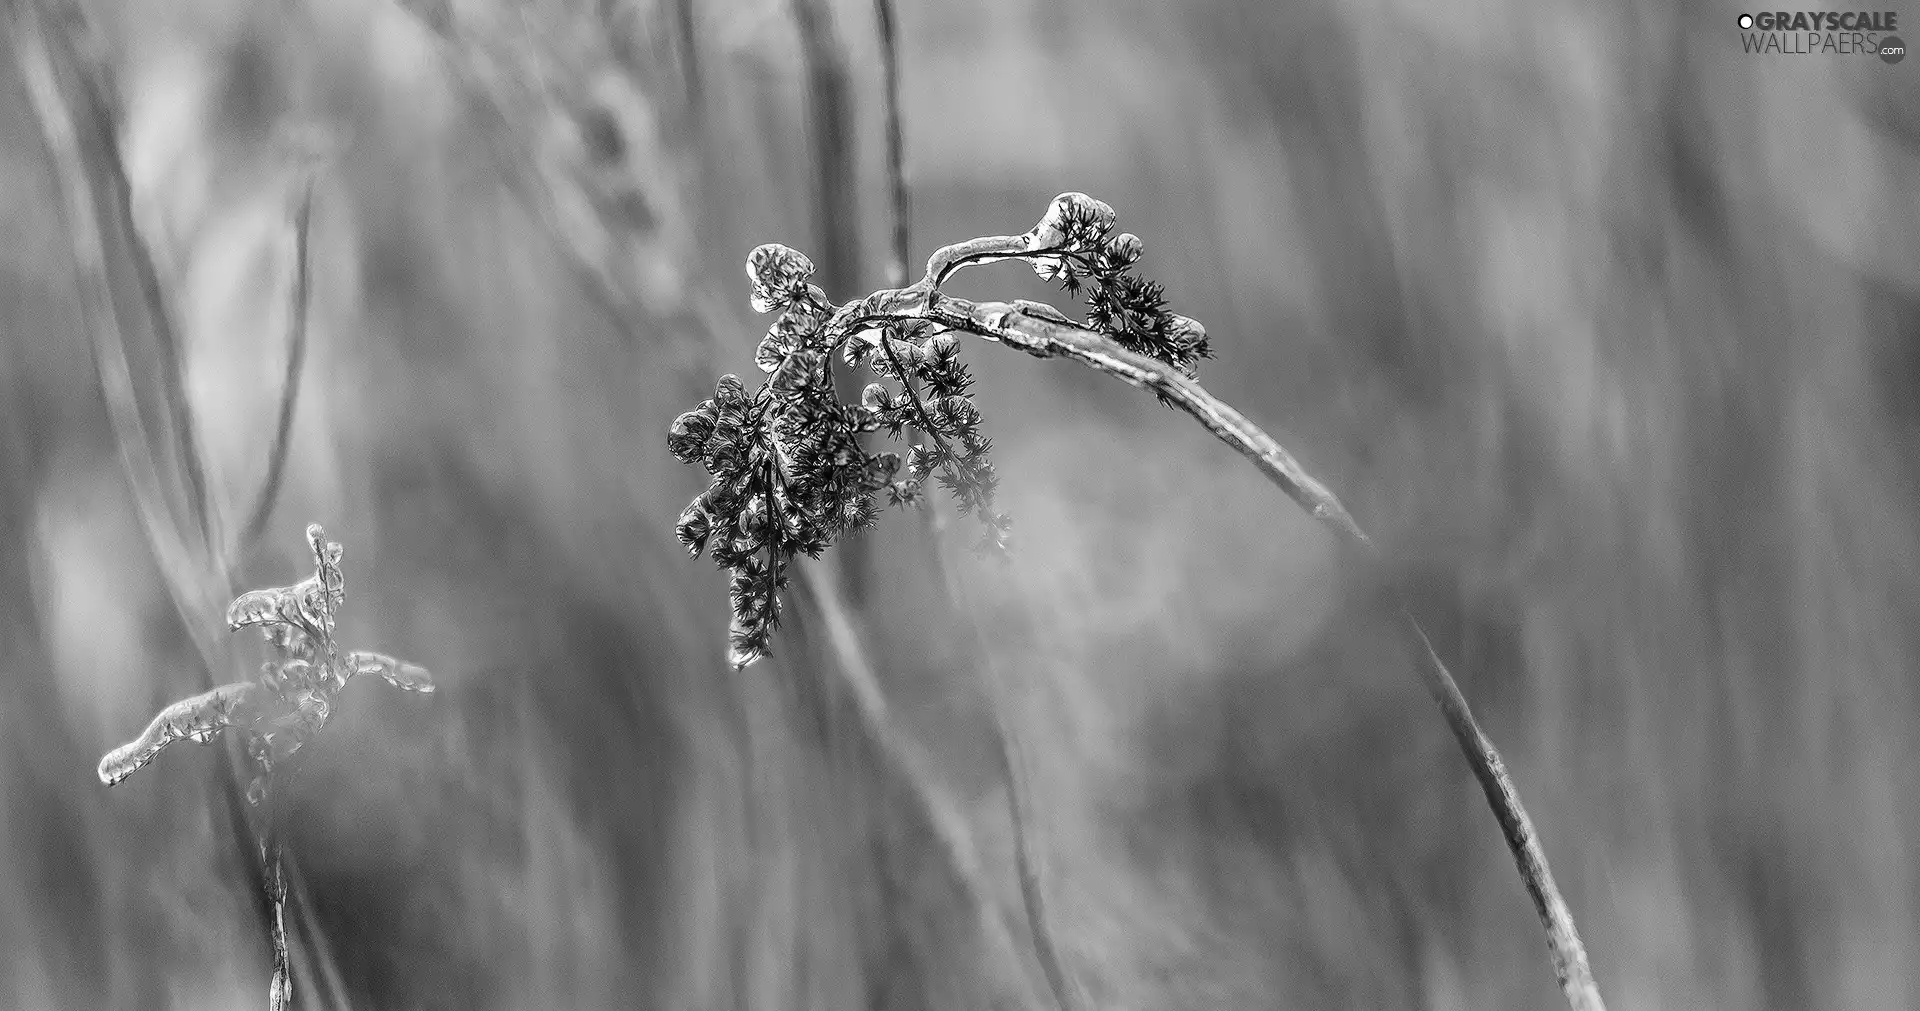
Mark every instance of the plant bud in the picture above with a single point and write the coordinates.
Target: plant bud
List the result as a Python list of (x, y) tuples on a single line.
[(693, 529), (688, 437), (753, 517), (1188, 336), (724, 454), (778, 274), (772, 351)]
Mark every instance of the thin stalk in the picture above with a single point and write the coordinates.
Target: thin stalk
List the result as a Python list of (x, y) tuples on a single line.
[(280, 993), (172, 353), (321, 965), (77, 178), (41, 54), (117, 217), (1033, 893), (830, 131), (1040, 331), (264, 500), (51, 67), (941, 814), (686, 47)]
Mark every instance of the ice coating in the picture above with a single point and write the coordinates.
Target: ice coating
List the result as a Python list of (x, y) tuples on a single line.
[(292, 697)]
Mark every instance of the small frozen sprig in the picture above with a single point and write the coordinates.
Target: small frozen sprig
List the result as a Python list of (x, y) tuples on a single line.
[(290, 700), (789, 473)]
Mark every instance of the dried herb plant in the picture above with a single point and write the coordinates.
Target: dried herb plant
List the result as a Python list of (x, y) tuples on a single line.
[(790, 476), (277, 712)]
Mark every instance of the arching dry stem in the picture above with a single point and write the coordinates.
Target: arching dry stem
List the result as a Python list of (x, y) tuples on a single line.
[(1044, 332), (794, 430)]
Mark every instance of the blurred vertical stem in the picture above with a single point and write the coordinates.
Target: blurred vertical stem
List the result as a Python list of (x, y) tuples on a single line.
[(1045, 333), (173, 363), (942, 815), (932, 804), (283, 877), (1032, 893), (82, 144), (78, 140), (830, 132), (51, 65), (686, 42)]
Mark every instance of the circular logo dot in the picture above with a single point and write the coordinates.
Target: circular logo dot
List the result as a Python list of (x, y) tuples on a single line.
[(1892, 50), (1746, 21)]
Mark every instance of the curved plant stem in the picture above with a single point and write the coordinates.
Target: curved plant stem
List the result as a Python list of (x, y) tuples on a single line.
[(1043, 332)]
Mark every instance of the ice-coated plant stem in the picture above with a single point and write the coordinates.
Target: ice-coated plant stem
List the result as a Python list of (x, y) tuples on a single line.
[(789, 477), (1034, 330)]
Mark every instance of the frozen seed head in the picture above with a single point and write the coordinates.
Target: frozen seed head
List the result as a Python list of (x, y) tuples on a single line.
[(1074, 224), (1072, 221), (779, 275)]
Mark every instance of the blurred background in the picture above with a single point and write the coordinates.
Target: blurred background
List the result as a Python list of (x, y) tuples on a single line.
[(1605, 329)]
